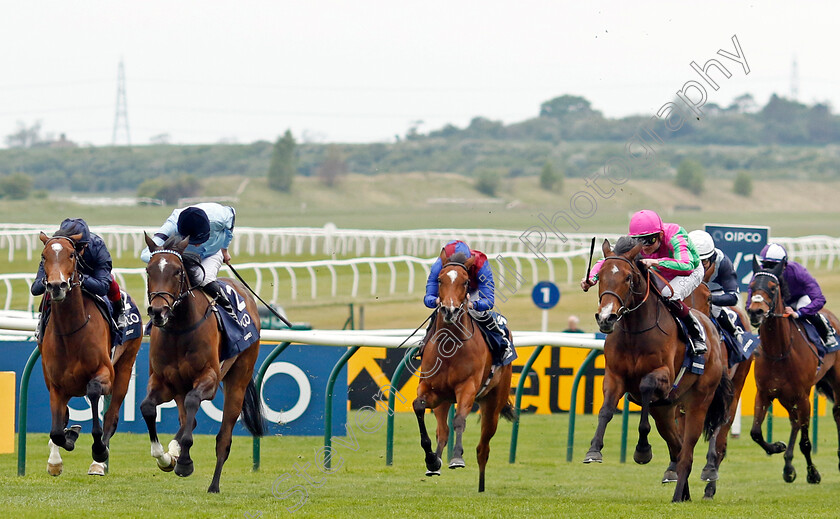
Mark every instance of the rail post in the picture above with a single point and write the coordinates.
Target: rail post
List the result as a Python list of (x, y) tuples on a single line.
[(526, 369), (328, 403), (587, 362), (392, 396), (24, 400), (258, 381)]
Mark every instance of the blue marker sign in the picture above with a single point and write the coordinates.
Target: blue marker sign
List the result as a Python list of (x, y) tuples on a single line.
[(545, 295), (740, 243)]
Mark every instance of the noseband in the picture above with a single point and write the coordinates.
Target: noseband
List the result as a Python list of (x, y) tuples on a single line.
[(772, 293), (622, 310), (183, 280)]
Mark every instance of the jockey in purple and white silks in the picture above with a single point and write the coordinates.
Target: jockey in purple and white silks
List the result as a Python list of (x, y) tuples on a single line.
[(667, 249), (805, 298)]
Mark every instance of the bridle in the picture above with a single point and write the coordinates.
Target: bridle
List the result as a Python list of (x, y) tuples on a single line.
[(75, 280), (460, 308), (771, 293), (622, 310), (170, 299)]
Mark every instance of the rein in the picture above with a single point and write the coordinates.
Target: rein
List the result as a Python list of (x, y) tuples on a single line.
[(623, 310), (183, 280)]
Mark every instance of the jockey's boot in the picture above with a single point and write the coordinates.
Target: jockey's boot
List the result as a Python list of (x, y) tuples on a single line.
[(827, 333), (119, 313), (214, 289), (692, 325), (726, 323), (39, 330)]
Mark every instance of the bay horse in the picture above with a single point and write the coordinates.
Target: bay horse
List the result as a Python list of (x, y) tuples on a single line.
[(76, 355), (643, 356), (185, 344), (457, 367), (700, 300), (786, 368)]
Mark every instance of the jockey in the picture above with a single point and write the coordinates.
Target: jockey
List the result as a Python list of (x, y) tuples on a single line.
[(209, 226), (481, 294), (95, 266), (667, 249), (723, 284), (805, 298)]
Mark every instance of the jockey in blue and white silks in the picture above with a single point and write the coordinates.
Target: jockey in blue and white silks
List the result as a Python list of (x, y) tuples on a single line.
[(209, 226)]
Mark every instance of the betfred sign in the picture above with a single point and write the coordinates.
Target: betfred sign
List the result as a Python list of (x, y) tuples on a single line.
[(741, 243)]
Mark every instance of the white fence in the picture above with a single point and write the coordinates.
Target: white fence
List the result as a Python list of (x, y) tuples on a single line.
[(349, 279), (124, 241)]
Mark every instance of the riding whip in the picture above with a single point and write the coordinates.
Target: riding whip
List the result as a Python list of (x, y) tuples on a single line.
[(286, 322), (591, 252)]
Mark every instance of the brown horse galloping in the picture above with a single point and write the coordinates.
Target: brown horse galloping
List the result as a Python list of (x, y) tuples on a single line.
[(643, 355), (738, 373), (184, 361), (76, 356), (786, 368), (456, 367)]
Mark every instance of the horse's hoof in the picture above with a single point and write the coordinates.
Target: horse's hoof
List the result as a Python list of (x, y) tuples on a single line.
[(184, 469), (778, 447), (709, 474), (432, 473), (97, 469), (55, 469), (167, 467), (711, 489), (101, 456), (457, 463), (593, 457), (643, 456), (813, 477), (174, 449), (433, 463), (670, 477), (789, 475)]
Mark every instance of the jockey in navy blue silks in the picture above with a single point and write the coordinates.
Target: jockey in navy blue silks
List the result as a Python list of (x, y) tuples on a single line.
[(481, 299), (723, 284), (94, 265)]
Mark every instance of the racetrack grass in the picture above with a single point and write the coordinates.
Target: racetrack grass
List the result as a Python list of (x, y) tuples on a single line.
[(540, 484)]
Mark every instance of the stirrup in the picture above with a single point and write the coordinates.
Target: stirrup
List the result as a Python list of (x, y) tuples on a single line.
[(122, 321)]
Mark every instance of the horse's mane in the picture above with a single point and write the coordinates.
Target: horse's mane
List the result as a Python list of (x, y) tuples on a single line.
[(190, 258), (625, 244), (458, 257)]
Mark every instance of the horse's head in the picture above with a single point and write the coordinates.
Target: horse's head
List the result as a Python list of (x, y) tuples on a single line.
[(766, 292), (60, 258), (454, 286), (619, 280), (166, 276)]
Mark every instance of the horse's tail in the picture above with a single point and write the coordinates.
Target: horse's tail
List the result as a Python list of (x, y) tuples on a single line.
[(509, 412), (251, 415), (718, 412), (825, 388)]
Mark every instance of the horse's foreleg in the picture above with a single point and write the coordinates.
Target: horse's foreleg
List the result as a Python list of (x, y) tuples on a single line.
[(762, 404), (803, 416), (671, 430), (653, 385), (695, 414), (465, 396), (204, 389), (122, 377), (789, 472), (442, 433), (420, 405), (613, 389), (95, 389), (58, 433), (156, 395)]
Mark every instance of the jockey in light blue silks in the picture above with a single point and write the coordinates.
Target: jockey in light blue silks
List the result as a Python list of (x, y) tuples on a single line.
[(481, 300), (209, 226), (804, 298)]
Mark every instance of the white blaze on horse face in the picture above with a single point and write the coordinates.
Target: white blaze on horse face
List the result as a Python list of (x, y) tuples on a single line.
[(162, 264), (452, 275), (758, 298), (615, 270), (605, 312), (57, 248)]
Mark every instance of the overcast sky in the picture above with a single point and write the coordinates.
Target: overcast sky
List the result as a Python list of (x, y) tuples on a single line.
[(362, 71)]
